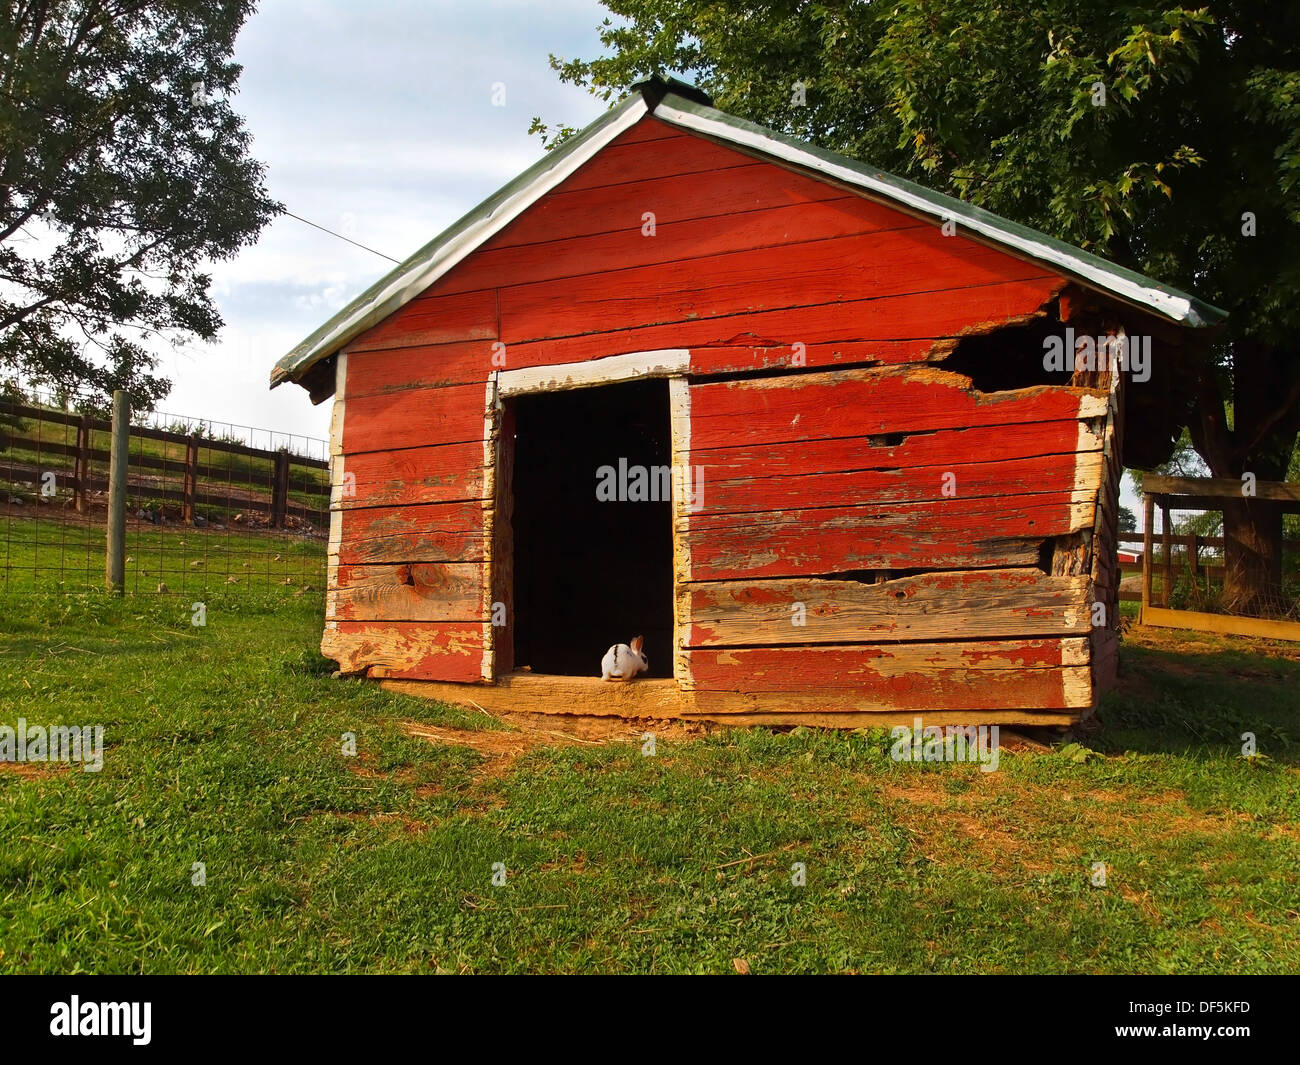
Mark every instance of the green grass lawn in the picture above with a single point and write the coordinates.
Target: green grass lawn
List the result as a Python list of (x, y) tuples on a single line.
[(224, 747)]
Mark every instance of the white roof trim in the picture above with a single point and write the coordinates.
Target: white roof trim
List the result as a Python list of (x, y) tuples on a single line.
[(1171, 306), (407, 286)]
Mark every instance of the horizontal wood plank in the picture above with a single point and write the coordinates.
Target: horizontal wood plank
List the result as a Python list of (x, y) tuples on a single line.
[(896, 451), (375, 367), (673, 240), (633, 159), (561, 215), (1220, 488), (419, 591), (891, 330), (868, 267), (927, 606), (425, 650), (649, 700), (434, 532), (960, 533), (1226, 624), (434, 319), (1004, 675), (1078, 475), (858, 402), (417, 417), (443, 474)]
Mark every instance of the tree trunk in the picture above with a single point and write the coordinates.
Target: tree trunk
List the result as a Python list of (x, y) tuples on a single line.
[(1266, 387), (1252, 554)]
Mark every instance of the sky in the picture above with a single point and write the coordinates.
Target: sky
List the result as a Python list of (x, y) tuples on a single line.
[(375, 119)]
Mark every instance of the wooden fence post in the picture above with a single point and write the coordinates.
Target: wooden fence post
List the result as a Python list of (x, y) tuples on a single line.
[(1148, 520), (280, 489), (119, 453), (81, 469), (1166, 534), (191, 478)]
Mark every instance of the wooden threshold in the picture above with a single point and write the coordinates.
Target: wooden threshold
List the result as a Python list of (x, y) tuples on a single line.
[(663, 698)]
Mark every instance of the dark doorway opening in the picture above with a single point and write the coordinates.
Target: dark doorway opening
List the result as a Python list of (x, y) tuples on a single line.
[(591, 570)]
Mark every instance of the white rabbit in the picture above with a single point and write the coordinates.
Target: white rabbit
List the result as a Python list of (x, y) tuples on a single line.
[(622, 662)]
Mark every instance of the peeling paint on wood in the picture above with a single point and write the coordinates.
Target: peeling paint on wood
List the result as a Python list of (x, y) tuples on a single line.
[(954, 533), (437, 651), (927, 606), (1010, 675), (869, 401), (412, 591), (441, 474), (434, 532)]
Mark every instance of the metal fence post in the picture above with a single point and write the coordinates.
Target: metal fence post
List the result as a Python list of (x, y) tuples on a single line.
[(115, 559)]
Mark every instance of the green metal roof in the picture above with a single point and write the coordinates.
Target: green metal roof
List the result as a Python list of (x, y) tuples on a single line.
[(684, 106)]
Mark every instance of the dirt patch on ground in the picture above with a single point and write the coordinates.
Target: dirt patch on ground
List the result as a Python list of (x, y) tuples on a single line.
[(951, 826), (31, 770)]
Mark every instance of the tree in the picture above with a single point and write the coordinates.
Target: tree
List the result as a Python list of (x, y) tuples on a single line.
[(123, 171), (1127, 520), (1165, 138)]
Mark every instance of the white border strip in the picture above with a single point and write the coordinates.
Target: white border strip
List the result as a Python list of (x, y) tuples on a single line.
[(666, 362), (1171, 306)]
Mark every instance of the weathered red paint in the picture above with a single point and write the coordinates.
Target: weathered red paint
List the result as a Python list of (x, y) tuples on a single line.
[(1004, 675), (442, 474)]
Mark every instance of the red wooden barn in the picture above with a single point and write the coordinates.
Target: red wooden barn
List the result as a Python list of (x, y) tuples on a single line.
[(809, 428)]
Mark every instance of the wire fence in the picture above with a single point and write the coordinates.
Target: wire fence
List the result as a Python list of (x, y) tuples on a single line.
[(210, 504)]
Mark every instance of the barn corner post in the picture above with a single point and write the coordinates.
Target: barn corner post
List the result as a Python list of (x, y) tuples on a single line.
[(340, 491), (688, 488), (1104, 572), (115, 556), (497, 609)]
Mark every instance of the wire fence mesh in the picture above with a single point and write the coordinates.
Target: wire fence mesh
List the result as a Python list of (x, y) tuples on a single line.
[(210, 504)]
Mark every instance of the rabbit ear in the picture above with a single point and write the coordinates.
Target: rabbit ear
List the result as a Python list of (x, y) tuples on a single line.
[(636, 644)]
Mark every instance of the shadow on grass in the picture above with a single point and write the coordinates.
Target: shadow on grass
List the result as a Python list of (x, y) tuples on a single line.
[(1198, 703)]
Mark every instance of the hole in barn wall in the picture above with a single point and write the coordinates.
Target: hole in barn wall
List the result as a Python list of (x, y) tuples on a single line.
[(588, 572), (1046, 550), (1007, 358)]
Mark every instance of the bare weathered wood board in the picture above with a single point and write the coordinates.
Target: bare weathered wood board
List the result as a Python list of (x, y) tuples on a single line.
[(411, 591), (429, 532), (651, 699), (958, 533), (927, 606), (451, 651)]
